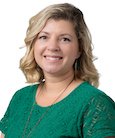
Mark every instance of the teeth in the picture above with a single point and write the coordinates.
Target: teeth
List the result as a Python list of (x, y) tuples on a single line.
[(53, 58)]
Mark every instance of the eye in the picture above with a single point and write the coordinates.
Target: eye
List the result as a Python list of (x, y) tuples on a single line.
[(66, 39), (42, 37)]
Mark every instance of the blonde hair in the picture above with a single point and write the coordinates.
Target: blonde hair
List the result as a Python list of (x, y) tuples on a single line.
[(85, 69)]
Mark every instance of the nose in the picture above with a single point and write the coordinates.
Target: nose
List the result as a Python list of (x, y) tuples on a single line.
[(53, 45)]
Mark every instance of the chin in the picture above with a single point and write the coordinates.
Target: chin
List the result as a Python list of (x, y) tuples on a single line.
[(53, 71)]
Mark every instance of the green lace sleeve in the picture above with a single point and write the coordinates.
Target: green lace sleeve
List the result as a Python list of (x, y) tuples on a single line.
[(6, 120), (15, 107), (4, 123), (99, 118)]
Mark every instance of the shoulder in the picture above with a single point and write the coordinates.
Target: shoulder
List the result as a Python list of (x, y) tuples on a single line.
[(24, 93), (26, 90), (96, 112), (88, 94), (86, 88), (95, 99)]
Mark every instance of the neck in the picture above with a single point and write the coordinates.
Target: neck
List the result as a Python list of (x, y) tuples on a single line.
[(55, 84)]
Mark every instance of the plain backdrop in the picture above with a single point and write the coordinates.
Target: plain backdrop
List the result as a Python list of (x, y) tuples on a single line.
[(14, 16)]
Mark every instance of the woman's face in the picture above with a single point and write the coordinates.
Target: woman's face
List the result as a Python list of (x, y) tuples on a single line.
[(56, 47)]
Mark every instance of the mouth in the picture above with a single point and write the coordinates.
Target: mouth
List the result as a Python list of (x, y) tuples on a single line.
[(53, 58)]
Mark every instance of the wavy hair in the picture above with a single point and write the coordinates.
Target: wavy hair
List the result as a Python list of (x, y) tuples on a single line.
[(85, 68)]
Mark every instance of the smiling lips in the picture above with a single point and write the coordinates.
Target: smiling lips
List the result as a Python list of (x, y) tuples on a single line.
[(53, 58)]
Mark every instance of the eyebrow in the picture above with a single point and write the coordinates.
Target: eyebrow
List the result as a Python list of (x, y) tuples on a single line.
[(63, 34), (43, 32)]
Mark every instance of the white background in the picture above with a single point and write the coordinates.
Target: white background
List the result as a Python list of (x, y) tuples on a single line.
[(14, 15)]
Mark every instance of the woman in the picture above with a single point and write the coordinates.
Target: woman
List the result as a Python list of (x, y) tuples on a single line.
[(65, 102)]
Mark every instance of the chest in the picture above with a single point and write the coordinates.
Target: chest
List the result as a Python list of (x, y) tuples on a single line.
[(57, 122)]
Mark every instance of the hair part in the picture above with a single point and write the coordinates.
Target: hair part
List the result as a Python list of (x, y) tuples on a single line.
[(85, 69)]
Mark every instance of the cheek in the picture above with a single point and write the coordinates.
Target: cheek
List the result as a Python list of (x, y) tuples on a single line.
[(36, 53), (78, 53), (75, 53), (37, 50)]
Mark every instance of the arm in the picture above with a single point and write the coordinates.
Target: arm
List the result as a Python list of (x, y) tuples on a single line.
[(2, 135), (110, 137), (99, 118)]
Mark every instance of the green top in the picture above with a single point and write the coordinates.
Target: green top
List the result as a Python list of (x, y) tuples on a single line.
[(86, 112)]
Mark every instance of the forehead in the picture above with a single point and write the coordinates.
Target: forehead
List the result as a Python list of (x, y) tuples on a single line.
[(59, 26)]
